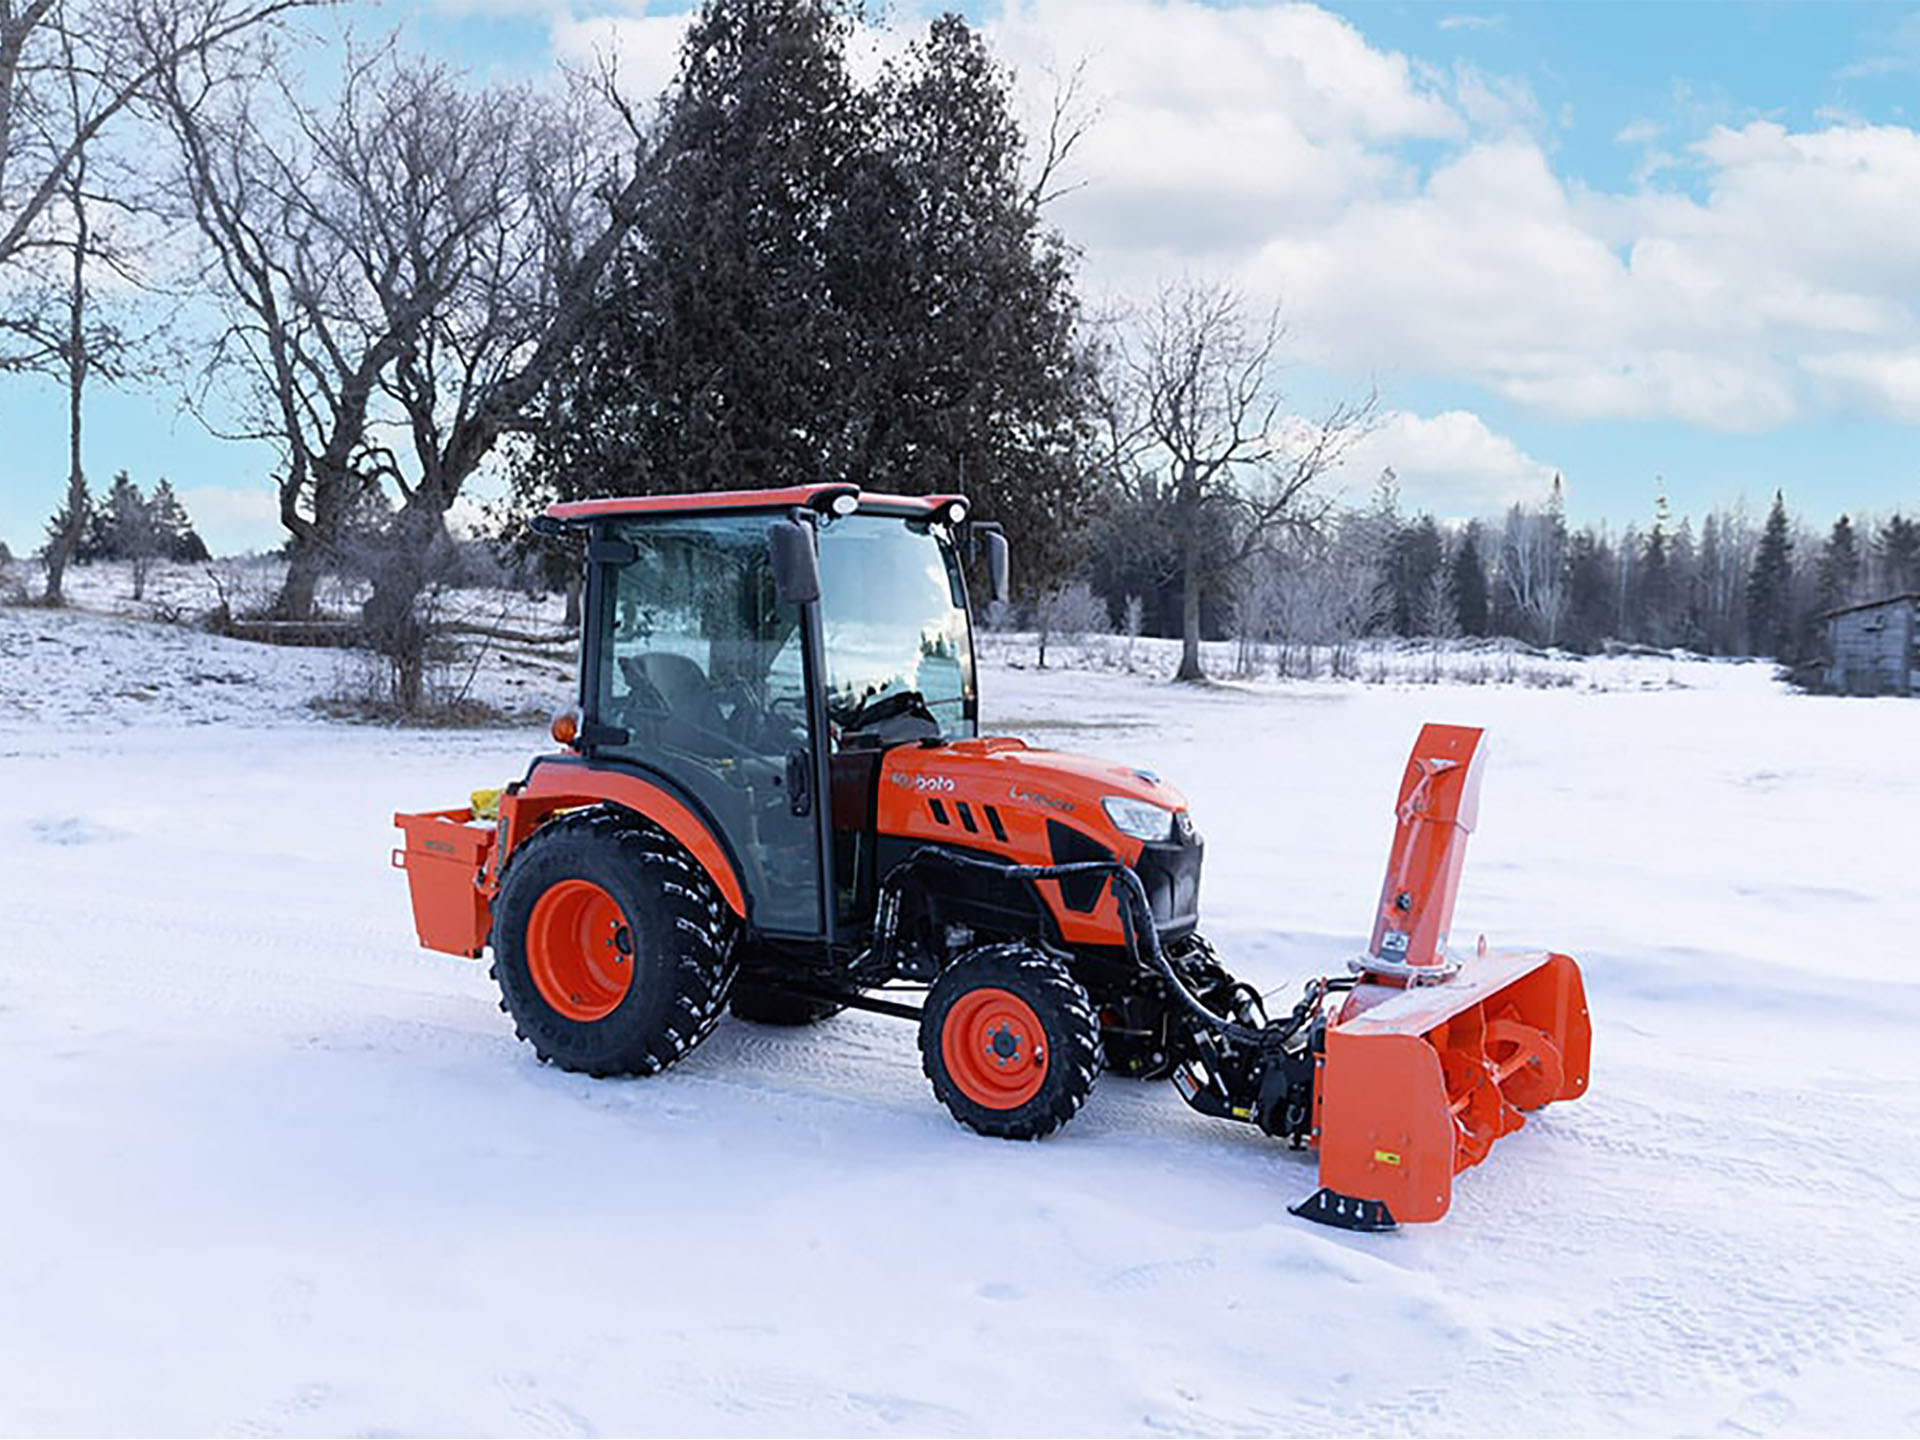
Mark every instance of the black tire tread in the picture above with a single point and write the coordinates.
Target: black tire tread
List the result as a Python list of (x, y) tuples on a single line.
[(1073, 1038), (704, 928)]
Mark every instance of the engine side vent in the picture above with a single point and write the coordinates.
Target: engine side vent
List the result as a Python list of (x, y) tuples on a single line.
[(993, 823), (939, 812), (1070, 846)]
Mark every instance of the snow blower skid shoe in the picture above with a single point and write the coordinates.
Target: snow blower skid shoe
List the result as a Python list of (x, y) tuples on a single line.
[(1432, 1058)]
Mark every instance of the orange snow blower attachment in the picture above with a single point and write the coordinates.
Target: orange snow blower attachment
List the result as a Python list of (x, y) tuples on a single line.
[(1432, 1058)]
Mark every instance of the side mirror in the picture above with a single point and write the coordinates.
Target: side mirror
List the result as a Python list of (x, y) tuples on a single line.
[(796, 563), (999, 568)]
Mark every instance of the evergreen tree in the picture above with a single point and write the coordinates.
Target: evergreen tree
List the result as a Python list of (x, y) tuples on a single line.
[(828, 281), (1468, 577), (970, 374), (178, 540), (1899, 555), (1590, 590), (716, 357), (1839, 574), (1653, 601), (1657, 596), (1414, 556), (1770, 612)]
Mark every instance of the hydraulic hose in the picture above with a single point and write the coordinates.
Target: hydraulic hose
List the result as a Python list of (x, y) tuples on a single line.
[(1134, 903)]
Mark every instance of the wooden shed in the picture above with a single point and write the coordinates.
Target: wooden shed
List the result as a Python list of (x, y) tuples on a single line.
[(1872, 647)]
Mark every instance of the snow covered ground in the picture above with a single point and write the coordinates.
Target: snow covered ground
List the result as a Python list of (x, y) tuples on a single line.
[(266, 1168)]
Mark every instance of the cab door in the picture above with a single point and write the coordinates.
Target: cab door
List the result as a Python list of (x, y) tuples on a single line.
[(708, 674)]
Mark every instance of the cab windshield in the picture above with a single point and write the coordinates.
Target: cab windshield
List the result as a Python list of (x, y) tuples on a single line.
[(893, 607)]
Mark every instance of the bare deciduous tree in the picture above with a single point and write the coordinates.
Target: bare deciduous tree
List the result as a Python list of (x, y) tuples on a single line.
[(1533, 553), (1205, 447), (55, 327), (402, 270), (102, 56)]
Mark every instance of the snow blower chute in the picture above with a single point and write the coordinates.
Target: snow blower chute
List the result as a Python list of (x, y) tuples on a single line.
[(774, 795)]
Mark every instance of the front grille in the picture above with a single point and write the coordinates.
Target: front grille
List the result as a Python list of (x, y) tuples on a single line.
[(1171, 874)]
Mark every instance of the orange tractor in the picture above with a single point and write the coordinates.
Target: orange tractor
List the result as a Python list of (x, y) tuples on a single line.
[(774, 795)]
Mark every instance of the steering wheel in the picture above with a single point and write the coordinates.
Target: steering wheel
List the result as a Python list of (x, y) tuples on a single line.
[(790, 709), (886, 707)]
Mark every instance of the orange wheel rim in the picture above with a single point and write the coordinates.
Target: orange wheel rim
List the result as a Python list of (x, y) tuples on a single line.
[(995, 1048), (580, 950)]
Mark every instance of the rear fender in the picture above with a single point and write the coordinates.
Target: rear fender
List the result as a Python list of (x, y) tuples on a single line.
[(553, 787)]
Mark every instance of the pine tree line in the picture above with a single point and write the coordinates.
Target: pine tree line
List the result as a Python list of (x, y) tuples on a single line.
[(1729, 587)]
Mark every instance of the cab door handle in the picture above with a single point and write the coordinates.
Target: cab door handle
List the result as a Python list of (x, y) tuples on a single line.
[(799, 782)]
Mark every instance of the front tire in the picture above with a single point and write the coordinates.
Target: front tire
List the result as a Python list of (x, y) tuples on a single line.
[(612, 949), (1010, 1041)]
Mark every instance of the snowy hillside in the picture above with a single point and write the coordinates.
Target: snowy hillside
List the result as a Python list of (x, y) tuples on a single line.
[(269, 1169)]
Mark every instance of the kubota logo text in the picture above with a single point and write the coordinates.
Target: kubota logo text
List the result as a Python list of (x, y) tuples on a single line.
[(1034, 797), (924, 783)]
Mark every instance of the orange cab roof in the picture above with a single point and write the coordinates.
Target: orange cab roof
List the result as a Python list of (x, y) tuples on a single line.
[(870, 501)]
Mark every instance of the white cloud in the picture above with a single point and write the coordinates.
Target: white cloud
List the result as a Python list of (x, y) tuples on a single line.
[(231, 519), (1651, 304), (1214, 126), (1885, 382), (645, 48), (1451, 464), (1495, 103), (501, 7), (1270, 144)]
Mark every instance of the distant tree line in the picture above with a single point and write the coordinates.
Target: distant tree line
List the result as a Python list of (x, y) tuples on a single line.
[(125, 525), (1734, 586)]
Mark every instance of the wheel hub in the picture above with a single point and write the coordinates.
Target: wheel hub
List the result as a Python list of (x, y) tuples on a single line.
[(995, 1048), (580, 951)]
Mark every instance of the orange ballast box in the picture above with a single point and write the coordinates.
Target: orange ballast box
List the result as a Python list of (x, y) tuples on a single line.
[(446, 862)]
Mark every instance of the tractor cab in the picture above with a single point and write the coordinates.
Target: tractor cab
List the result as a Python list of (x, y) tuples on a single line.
[(760, 655)]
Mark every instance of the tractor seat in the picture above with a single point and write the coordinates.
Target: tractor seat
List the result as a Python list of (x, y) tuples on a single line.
[(693, 722)]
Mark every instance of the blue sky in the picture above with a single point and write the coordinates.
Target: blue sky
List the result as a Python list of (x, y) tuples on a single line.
[(1640, 245)]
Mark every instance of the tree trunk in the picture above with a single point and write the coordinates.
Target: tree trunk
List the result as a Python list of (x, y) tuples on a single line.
[(63, 547), (391, 616), (56, 571), (303, 579), (1190, 667)]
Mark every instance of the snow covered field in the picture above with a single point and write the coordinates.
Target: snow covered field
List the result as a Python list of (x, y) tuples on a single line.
[(266, 1168)]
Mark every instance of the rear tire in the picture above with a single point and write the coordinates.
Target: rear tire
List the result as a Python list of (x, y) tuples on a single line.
[(612, 949), (1010, 1041)]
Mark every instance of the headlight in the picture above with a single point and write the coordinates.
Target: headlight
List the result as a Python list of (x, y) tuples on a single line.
[(1141, 819)]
